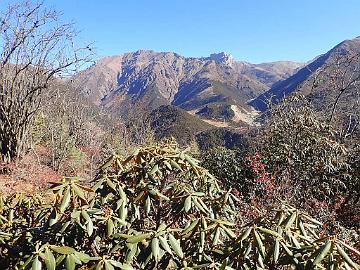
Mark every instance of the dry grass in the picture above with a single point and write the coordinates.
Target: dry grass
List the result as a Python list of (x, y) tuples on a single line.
[(26, 175)]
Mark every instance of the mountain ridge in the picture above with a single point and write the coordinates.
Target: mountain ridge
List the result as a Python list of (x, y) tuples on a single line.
[(216, 89), (299, 82), (167, 78)]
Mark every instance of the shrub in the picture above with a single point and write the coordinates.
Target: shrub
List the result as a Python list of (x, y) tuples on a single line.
[(226, 165), (153, 209), (247, 174), (299, 147), (156, 209), (221, 137)]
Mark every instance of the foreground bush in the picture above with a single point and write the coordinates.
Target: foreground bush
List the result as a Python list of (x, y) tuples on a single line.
[(301, 148), (157, 209), (246, 174), (227, 165)]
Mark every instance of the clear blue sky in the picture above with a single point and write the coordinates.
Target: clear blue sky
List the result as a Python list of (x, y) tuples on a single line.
[(251, 30)]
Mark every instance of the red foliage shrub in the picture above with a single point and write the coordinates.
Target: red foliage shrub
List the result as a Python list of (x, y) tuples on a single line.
[(26, 175)]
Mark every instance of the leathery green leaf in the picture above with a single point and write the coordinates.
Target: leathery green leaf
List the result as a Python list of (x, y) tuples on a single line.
[(191, 226), (164, 244), (346, 257), (49, 260), (65, 201), (324, 251), (216, 236), (53, 217), (228, 231), (70, 262), (246, 234), (175, 245), (155, 248), (187, 204), (108, 266), (63, 250), (290, 220), (175, 164), (99, 266), (120, 265), (154, 169), (78, 191), (131, 252), (110, 227), (36, 265), (267, 231), (276, 250), (259, 243), (138, 238), (147, 205)]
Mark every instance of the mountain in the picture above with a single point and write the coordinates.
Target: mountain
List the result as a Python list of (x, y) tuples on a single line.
[(153, 79), (320, 80)]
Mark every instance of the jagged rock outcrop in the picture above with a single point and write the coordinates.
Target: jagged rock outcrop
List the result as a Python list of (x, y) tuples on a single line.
[(222, 58)]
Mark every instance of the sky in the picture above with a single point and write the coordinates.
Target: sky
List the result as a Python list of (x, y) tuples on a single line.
[(251, 30)]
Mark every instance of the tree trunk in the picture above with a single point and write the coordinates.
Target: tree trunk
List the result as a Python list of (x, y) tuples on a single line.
[(12, 143), (8, 146)]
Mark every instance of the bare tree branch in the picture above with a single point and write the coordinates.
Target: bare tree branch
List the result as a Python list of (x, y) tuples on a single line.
[(36, 50)]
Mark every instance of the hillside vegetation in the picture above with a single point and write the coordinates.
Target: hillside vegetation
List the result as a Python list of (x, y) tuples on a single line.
[(157, 208)]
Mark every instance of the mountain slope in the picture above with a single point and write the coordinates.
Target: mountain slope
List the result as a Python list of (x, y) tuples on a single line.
[(319, 79), (170, 121)]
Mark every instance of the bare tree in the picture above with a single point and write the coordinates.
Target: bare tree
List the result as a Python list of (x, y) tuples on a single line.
[(340, 78), (70, 121), (36, 49)]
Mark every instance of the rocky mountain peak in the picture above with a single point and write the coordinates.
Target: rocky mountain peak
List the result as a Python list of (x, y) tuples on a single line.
[(222, 58)]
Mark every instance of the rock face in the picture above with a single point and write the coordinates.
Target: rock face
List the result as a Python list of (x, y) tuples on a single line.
[(222, 58), (321, 79), (165, 78)]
